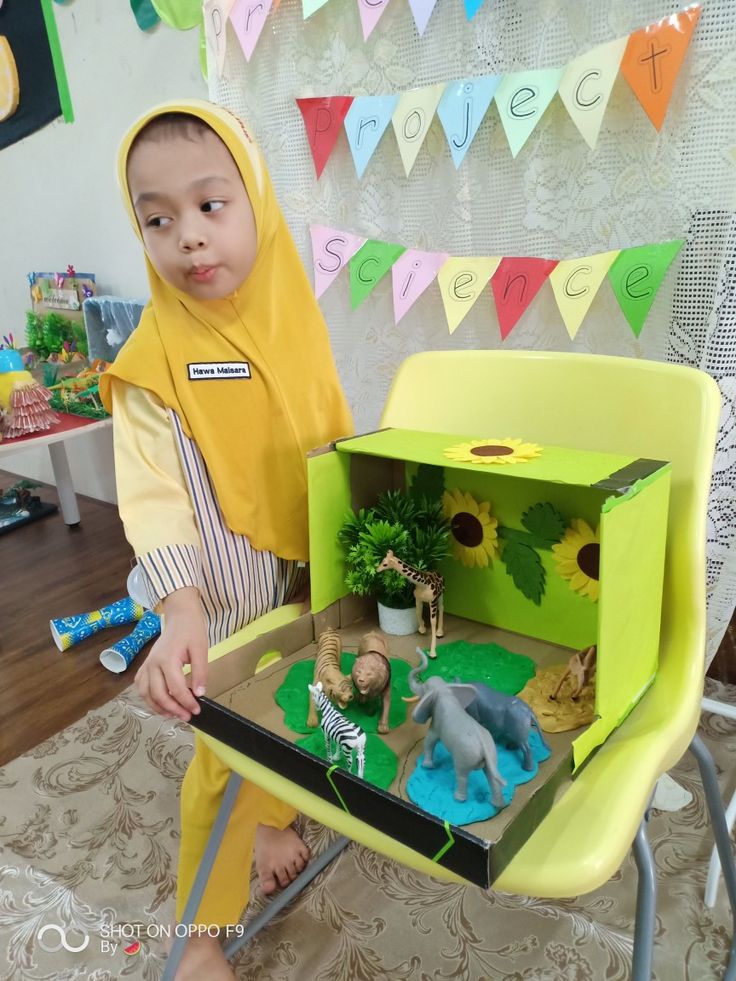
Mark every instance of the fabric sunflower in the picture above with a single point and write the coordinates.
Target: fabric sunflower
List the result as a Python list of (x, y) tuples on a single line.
[(493, 451), (472, 528), (578, 558)]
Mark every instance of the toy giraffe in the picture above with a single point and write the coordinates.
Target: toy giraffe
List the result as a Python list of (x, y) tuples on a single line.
[(428, 588)]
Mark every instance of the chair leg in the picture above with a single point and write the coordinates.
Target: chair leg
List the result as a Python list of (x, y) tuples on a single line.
[(203, 873), (646, 906), (714, 869), (722, 837), (275, 906)]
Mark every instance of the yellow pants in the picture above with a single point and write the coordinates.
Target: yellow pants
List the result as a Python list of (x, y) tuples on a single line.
[(228, 888)]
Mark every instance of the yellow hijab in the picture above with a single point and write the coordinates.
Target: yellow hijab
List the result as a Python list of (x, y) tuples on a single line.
[(253, 433)]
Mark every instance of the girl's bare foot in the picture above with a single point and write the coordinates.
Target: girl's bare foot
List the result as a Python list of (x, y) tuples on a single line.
[(279, 857), (204, 958)]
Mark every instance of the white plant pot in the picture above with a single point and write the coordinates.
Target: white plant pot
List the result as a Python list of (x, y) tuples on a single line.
[(398, 623)]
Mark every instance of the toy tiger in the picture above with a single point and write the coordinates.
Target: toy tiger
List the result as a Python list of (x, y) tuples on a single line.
[(337, 686)]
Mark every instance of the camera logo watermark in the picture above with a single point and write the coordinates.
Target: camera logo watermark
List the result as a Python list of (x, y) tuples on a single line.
[(53, 929)]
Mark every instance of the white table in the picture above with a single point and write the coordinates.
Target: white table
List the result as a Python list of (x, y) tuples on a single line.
[(59, 462)]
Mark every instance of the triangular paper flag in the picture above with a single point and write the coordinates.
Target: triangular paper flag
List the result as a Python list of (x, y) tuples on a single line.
[(461, 110), (248, 18), (365, 124), (323, 118), (515, 284), (370, 13), (637, 275), (310, 7), (412, 119), (370, 264), (522, 98), (216, 13), (575, 283), (653, 58), (586, 86), (472, 7), (411, 275), (422, 10), (461, 283), (331, 250)]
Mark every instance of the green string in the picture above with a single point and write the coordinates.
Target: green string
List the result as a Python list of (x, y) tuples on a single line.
[(337, 792), (62, 85), (447, 845)]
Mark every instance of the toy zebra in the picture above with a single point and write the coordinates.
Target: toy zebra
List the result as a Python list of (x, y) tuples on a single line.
[(339, 731)]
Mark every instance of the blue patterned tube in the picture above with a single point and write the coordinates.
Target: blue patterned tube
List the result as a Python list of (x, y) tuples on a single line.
[(68, 631), (119, 656)]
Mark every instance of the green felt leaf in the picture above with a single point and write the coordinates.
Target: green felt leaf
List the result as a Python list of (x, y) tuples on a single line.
[(544, 521), (525, 568), (428, 481), (293, 697), (381, 763), (489, 664)]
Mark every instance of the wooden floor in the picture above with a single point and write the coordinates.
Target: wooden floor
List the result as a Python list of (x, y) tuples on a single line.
[(48, 570)]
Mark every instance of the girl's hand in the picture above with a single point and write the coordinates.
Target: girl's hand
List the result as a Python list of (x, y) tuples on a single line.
[(160, 680)]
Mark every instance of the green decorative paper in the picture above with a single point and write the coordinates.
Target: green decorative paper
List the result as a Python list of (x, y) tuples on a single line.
[(636, 276), (369, 265), (293, 697), (381, 763), (524, 566), (428, 481)]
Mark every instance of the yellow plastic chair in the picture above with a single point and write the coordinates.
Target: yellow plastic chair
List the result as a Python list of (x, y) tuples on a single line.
[(618, 405)]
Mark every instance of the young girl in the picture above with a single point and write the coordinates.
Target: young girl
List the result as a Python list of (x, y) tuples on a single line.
[(217, 397)]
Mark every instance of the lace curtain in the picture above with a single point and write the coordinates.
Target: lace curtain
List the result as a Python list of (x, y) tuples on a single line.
[(557, 198)]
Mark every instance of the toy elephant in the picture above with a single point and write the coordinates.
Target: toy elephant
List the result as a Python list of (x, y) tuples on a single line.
[(508, 719), (470, 745), (371, 674)]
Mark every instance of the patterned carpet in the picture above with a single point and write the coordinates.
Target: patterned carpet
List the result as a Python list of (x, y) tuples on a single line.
[(89, 828)]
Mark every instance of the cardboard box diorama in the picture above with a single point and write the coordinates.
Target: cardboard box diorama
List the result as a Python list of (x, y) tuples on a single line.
[(574, 544)]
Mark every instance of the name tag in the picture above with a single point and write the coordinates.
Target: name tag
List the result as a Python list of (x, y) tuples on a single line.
[(217, 370)]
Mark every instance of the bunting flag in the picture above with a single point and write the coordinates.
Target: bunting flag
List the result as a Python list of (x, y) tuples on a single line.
[(635, 273), (322, 120), (636, 276), (248, 18), (365, 124), (369, 265), (515, 284), (653, 59), (472, 7), (370, 13), (310, 7), (331, 250), (575, 283), (216, 13), (649, 59), (412, 273), (461, 110), (411, 120), (461, 282), (422, 11), (586, 87), (522, 98)]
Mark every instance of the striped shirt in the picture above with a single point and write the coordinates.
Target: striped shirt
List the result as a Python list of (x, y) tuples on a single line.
[(237, 582)]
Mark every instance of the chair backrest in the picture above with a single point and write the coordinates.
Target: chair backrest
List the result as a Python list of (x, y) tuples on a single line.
[(620, 405)]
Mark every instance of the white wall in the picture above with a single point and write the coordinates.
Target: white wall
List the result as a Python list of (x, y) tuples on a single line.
[(58, 195)]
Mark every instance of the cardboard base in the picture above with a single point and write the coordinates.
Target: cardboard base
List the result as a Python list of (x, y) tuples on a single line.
[(243, 714)]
